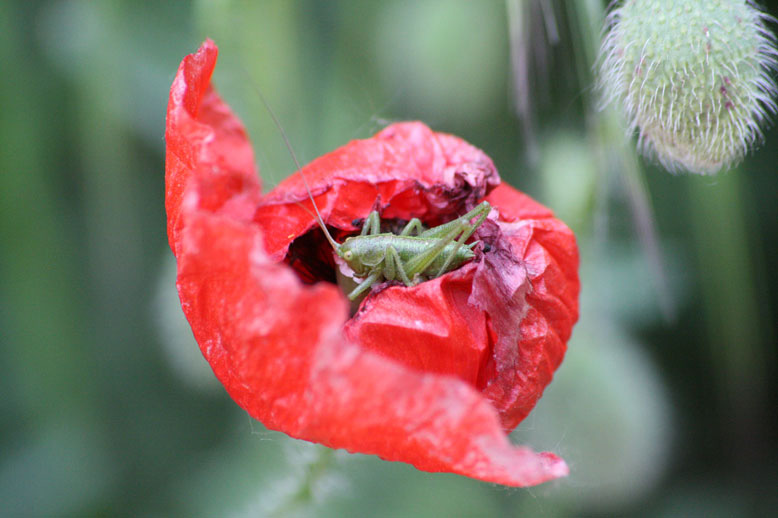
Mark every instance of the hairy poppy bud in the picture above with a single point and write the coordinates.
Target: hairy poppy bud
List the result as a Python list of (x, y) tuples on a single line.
[(693, 78)]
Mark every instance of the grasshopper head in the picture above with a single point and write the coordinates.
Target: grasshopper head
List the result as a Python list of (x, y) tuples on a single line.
[(349, 251)]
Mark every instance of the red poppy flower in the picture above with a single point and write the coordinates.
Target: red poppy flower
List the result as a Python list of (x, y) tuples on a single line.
[(434, 375)]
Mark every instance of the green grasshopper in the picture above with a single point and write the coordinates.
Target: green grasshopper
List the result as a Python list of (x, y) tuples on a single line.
[(374, 256)]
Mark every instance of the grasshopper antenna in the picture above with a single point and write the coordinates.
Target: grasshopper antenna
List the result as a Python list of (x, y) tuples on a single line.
[(319, 219)]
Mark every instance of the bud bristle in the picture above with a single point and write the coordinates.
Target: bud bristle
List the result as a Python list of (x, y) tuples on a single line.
[(694, 78)]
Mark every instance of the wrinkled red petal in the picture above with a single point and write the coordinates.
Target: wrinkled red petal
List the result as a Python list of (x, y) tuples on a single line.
[(431, 328), (278, 346), (407, 169), (206, 144), (543, 289)]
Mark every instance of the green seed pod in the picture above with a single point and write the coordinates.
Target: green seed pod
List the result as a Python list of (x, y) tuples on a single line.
[(694, 78)]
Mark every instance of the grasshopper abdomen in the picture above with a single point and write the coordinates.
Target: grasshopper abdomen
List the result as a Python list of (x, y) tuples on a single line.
[(368, 252)]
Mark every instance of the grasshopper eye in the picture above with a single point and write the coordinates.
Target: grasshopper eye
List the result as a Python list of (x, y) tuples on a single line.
[(348, 255)]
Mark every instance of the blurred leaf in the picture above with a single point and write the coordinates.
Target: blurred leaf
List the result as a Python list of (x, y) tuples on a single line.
[(41, 478), (445, 57)]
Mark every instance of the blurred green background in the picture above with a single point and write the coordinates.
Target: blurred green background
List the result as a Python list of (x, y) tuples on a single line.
[(665, 405)]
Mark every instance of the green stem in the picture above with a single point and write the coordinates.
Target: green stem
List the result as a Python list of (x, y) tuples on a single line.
[(731, 305), (314, 472)]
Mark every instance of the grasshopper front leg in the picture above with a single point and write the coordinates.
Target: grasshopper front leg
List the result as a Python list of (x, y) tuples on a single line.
[(365, 285), (372, 224)]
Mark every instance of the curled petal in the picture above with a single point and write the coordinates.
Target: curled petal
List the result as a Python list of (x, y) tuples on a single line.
[(206, 144)]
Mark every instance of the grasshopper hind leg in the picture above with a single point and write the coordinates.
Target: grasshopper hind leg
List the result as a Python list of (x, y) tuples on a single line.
[(393, 267), (468, 231)]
